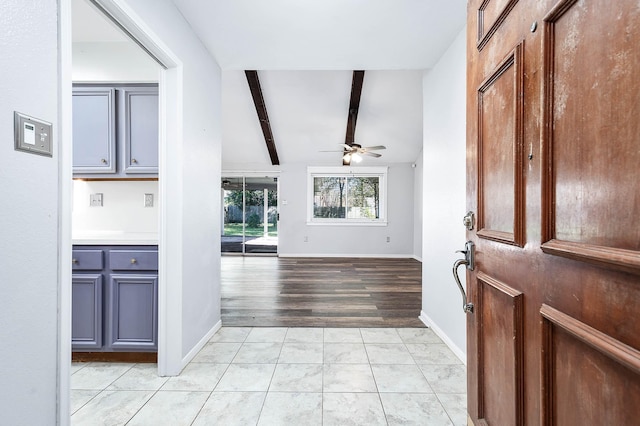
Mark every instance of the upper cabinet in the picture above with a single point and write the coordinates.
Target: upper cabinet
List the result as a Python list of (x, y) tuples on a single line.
[(94, 130), (139, 131), (115, 131)]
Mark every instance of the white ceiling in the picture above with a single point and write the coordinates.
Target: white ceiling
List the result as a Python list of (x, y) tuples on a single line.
[(325, 34), (308, 113), (305, 51)]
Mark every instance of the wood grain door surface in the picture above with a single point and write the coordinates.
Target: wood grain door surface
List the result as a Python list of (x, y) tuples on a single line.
[(553, 156)]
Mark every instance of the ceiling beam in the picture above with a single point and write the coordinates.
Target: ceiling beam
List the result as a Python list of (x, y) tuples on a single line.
[(354, 106), (261, 109)]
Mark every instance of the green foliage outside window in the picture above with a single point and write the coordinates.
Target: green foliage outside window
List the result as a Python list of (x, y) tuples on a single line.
[(350, 197)]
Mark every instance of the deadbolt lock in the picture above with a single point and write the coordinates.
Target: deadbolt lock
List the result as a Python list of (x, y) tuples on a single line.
[(468, 220)]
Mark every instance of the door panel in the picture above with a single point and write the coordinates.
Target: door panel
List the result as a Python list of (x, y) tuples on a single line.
[(584, 369), (500, 352), (500, 184), (553, 338), (590, 138), (491, 14)]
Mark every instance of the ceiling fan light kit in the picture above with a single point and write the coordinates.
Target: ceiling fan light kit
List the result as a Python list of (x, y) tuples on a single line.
[(355, 157)]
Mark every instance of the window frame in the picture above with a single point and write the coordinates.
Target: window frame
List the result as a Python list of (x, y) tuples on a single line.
[(340, 172)]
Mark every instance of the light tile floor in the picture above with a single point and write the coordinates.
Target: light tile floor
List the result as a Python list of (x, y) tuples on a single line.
[(284, 376)]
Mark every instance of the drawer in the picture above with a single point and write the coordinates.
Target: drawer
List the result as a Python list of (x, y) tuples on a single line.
[(133, 260), (87, 260)]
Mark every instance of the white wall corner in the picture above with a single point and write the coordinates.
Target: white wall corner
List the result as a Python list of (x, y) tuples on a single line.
[(205, 339), (459, 352)]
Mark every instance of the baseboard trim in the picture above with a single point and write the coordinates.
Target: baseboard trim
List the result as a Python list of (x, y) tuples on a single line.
[(418, 258), (347, 255), (194, 351), (442, 335)]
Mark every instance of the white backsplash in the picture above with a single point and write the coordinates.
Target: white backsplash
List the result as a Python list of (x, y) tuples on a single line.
[(122, 211)]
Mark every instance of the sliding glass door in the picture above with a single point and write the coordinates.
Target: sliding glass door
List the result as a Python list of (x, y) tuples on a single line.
[(250, 213)]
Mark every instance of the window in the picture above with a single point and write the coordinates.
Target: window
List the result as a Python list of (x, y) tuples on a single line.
[(351, 197)]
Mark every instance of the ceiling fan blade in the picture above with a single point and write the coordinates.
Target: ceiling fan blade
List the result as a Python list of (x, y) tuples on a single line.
[(333, 150), (375, 148), (371, 154)]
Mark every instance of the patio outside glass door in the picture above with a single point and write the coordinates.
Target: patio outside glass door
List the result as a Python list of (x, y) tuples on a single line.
[(250, 215)]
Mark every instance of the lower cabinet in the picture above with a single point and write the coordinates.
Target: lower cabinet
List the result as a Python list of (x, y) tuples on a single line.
[(115, 299), (86, 311), (133, 312)]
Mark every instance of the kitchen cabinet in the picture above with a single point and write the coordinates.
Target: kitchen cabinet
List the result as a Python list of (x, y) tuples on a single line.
[(115, 131), (94, 130), (122, 314), (132, 301), (86, 297), (139, 130)]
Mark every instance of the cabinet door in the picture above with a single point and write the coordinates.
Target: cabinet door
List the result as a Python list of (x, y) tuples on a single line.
[(133, 312), (94, 130), (86, 311), (140, 129)]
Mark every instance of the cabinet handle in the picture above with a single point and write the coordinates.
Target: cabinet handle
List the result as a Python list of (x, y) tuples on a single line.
[(74, 261), (103, 161), (134, 261), (134, 161)]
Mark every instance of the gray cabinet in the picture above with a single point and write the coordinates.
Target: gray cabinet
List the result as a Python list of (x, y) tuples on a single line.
[(86, 308), (140, 129), (94, 130), (132, 300), (133, 312), (86, 299), (115, 131), (115, 298)]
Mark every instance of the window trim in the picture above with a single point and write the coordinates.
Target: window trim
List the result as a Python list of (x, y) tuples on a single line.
[(379, 172)]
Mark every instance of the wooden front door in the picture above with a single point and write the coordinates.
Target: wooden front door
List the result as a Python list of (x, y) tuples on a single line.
[(553, 160)]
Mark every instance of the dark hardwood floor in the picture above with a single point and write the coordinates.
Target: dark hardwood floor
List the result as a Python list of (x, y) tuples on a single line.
[(321, 292)]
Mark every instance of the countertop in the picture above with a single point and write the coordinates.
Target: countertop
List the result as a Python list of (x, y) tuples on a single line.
[(115, 238)]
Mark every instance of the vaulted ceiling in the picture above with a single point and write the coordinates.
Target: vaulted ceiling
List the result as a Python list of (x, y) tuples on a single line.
[(305, 52)]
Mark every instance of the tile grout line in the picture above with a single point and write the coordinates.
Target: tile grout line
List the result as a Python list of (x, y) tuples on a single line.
[(216, 385)]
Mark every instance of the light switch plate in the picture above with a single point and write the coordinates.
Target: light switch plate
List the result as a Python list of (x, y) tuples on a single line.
[(32, 135)]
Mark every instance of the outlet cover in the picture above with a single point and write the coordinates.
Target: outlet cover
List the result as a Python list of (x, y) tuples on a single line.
[(148, 200), (95, 200)]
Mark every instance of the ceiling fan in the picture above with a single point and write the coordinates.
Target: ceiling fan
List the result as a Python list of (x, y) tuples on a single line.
[(356, 151)]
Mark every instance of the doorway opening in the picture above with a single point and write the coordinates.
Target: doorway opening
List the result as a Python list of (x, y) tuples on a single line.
[(249, 215)]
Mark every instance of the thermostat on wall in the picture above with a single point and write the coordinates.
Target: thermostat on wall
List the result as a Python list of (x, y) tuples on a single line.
[(32, 135)]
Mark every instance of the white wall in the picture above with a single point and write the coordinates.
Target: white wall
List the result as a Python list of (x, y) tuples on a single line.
[(417, 206), (341, 241), (122, 62), (122, 208), (444, 193), (28, 218), (191, 218)]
